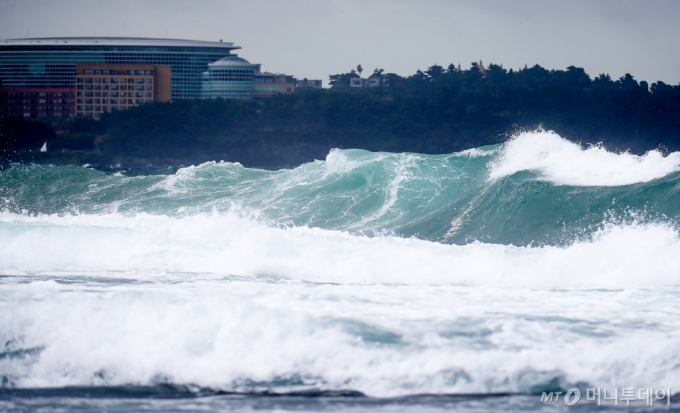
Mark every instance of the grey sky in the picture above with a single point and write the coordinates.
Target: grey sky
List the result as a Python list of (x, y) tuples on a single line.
[(315, 38)]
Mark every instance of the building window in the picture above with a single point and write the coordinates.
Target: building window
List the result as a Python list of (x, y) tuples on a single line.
[(89, 71), (88, 80), (89, 87), (148, 81), (114, 80), (105, 80), (148, 94)]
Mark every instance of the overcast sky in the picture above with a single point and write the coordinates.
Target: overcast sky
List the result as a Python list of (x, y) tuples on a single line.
[(315, 38)]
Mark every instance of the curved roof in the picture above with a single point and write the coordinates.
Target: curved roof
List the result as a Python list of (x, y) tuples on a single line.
[(115, 41), (232, 61)]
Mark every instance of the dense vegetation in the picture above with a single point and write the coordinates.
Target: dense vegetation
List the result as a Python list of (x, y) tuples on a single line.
[(440, 110)]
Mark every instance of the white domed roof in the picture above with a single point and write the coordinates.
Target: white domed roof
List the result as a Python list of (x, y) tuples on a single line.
[(231, 61)]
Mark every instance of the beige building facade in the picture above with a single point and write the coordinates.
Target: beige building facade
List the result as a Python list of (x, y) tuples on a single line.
[(102, 88)]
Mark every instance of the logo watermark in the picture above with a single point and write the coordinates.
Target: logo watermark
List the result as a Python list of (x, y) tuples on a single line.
[(647, 395)]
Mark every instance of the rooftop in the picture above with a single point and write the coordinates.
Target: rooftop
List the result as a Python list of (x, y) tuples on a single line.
[(232, 61), (115, 41)]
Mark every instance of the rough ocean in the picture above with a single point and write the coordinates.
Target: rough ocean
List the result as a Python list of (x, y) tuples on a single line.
[(473, 281)]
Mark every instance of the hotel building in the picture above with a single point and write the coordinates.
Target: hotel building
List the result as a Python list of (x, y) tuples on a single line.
[(107, 88), (38, 77)]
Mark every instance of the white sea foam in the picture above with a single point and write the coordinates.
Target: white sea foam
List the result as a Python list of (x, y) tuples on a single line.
[(225, 244), (475, 153), (381, 339), (565, 163)]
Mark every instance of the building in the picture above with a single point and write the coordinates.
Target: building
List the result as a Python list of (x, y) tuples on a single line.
[(38, 76), (108, 87), (38, 102), (88, 76), (381, 81), (269, 84), (230, 77), (309, 83)]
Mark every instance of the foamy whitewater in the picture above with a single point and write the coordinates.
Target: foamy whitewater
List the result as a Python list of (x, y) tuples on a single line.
[(532, 265)]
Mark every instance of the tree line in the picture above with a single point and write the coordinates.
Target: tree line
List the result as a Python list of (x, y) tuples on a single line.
[(439, 110)]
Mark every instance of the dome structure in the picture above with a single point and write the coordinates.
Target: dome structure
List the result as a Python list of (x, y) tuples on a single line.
[(230, 77)]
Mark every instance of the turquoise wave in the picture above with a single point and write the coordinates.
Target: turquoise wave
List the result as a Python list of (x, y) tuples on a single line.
[(488, 194)]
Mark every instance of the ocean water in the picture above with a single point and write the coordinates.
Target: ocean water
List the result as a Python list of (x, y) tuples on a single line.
[(473, 281)]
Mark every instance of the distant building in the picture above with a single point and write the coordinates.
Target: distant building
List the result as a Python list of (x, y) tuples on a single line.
[(230, 77), (382, 81), (38, 102), (310, 83), (269, 84), (38, 77), (109, 87)]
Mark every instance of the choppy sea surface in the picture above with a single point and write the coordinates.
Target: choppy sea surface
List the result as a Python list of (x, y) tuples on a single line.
[(474, 281)]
